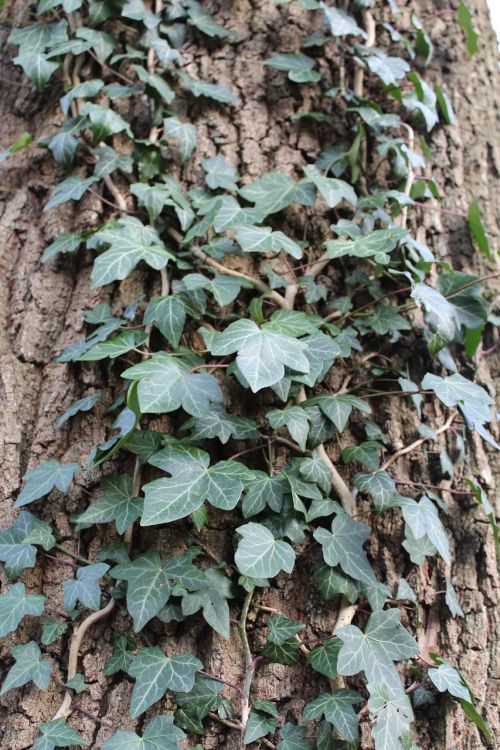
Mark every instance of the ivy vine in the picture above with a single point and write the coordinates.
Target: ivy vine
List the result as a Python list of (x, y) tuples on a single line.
[(210, 326)]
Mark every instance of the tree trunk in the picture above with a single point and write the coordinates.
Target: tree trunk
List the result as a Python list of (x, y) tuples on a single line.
[(41, 311)]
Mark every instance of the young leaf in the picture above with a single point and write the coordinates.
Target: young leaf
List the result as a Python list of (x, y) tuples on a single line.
[(323, 659), (155, 673), (167, 383), (477, 230), (57, 733), (160, 734), (183, 132), (380, 485), (52, 630), (83, 404), (378, 244), (343, 546), (29, 667), (374, 651), (295, 419), (281, 629), (85, 587), (464, 18), (15, 604), (260, 555), (218, 423), (121, 657), (423, 519), (211, 598), (337, 708), (262, 353), (71, 189), (220, 173), (116, 504), (44, 478), (446, 677), (333, 191)]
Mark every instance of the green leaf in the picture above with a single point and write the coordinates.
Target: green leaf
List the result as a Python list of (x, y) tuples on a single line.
[(220, 173), (29, 667), (121, 657), (446, 677), (377, 244), (224, 288), (380, 485), (211, 598), (67, 242), (168, 314), (293, 737), (343, 546), (71, 189), (444, 105), (464, 18), (331, 583), (374, 651), (84, 587), (295, 419), (130, 241), (384, 319), (262, 353), (204, 22), (260, 555), (83, 404), (337, 708), (258, 725), (114, 347), (271, 193), (338, 408), (216, 91), (63, 147), (116, 504), (340, 23), (315, 470), (15, 604), (367, 453), (334, 191), (193, 482), (15, 551), (103, 44), (263, 491), (77, 683), (323, 659), (44, 478), (166, 383), (393, 715), (52, 630), (104, 122), (148, 587), (183, 132), (57, 733), (477, 230), (36, 66), (298, 66), (389, 69), (254, 239), (287, 653), (281, 629), (218, 423), (84, 90), (155, 673), (155, 82), (160, 734), (423, 520)]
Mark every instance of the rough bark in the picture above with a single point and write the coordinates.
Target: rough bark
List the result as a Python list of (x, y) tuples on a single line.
[(41, 312)]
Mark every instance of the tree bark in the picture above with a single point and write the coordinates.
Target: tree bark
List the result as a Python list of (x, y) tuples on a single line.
[(41, 312)]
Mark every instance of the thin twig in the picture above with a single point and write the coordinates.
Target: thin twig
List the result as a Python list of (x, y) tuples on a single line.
[(249, 665), (419, 442)]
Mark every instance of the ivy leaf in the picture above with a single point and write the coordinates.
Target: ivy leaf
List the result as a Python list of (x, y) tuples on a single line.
[(29, 667), (130, 241), (338, 408), (331, 583), (464, 18), (121, 657), (337, 708), (15, 604), (193, 482), (160, 734), (262, 353), (104, 122), (211, 597), (260, 555), (218, 423), (384, 319), (374, 651), (36, 66), (224, 288), (67, 242), (293, 737), (15, 552), (380, 485), (42, 480), (114, 347), (63, 147), (84, 90), (57, 733), (340, 23), (367, 453), (70, 189), (155, 673), (393, 716), (477, 230), (183, 132), (216, 91), (168, 314), (377, 244), (423, 520), (389, 69), (271, 193), (323, 659), (116, 504), (52, 630), (343, 546), (263, 491), (254, 239), (155, 82), (287, 653), (204, 22), (258, 725), (295, 419), (77, 683), (316, 471), (298, 66), (148, 587), (83, 404), (446, 677), (166, 383), (85, 587), (220, 173), (281, 629), (334, 191)]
